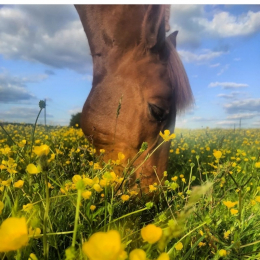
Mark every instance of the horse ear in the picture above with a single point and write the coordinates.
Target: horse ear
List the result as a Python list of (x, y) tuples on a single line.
[(172, 37), (153, 27)]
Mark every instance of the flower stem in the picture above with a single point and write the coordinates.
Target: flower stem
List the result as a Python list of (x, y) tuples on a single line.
[(45, 218), (33, 132), (76, 218)]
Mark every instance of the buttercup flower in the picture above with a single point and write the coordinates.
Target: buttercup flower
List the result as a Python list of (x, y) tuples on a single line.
[(13, 234), (97, 188), (34, 232), (217, 154), (179, 246), (257, 164), (152, 188), (230, 204), (33, 257), (163, 256), (103, 246), (92, 207), (137, 254), (222, 252), (32, 169), (19, 184), (88, 181), (41, 150), (234, 211), (151, 233), (76, 178), (86, 194), (167, 136), (125, 197)]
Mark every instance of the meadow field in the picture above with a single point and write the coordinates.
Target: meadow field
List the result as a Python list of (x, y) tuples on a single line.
[(59, 200)]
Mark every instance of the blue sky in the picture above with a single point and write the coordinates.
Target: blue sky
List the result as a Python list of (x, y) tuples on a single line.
[(44, 54)]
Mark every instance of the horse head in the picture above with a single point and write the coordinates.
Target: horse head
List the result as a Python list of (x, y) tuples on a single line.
[(139, 83)]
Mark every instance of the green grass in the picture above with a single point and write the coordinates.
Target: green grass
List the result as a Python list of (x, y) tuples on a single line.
[(189, 207)]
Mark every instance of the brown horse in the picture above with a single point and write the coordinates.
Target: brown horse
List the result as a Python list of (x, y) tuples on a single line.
[(134, 62)]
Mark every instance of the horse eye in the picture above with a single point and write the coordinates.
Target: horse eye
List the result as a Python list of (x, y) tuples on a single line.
[(158, 113)]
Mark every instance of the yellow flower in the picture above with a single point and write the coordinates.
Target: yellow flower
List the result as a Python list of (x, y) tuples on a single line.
[(257, 164), (52, 158), (19, 184), (133, 193), (102, 150), (13, 234), (7, 182), (76, 178), (167, 136), (97, 188), (34, 232), (175, 178), (125, 197), (1, 206), (120, 157), (103, 246), (152, 188), (226, 234), (234, 211), (50, 186), (88, 181), (222, 252), (32, 257), (137, 254), (179, 246), (151, 233), (230, 204), (41, 150), (97, 166), (32, 169), (27, 207), (217, 154), (201, 244), (5, 151), (86, 194), (257, 198), (92, 207), (163, 256)]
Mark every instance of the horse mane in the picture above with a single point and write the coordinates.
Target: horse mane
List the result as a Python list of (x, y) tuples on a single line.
[(183, 97)]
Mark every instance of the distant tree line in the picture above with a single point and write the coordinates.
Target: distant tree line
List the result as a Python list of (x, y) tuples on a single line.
[(75, 120)]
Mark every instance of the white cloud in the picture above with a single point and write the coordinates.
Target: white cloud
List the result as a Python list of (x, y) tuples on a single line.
[(13, 87), (214, 65), (226, 122), (243, 105), (225, 24), (195, 24), (223, 69), (243, 116), (227, 96), (227, 85), (20, 114), (203, 57), (51, 35), (257, 123)]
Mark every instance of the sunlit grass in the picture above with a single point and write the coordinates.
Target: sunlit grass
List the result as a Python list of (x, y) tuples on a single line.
[(206, 207)]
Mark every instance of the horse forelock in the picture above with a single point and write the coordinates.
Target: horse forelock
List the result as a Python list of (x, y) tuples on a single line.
[(182, 94)]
